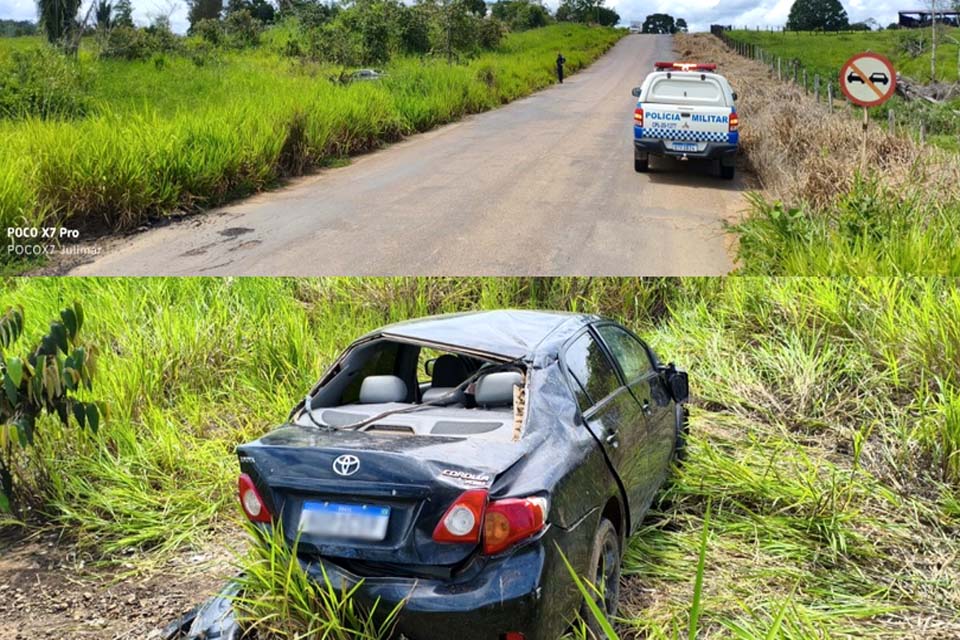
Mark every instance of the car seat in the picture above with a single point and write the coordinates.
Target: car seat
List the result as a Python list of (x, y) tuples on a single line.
[(449, 372)]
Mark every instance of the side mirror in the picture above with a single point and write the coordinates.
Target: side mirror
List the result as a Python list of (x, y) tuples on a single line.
[(677, 382), (428, 366), (635, 92), (734, 96)]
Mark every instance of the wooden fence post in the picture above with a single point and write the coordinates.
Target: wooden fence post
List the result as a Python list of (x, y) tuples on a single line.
[(830, 95), (891, 121), (804, 80), (779, 70), (816, 87)]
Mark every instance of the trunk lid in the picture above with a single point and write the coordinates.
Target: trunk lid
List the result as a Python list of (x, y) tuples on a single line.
[(686, 125), (393, 489)]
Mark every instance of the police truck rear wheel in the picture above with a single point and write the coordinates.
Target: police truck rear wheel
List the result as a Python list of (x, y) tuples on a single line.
[(726, 172), (641, 164)]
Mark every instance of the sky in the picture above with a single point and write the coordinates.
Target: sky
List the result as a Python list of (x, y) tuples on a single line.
[(699, 14)]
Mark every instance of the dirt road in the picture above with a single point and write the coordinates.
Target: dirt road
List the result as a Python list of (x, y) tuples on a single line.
[(544, 185)]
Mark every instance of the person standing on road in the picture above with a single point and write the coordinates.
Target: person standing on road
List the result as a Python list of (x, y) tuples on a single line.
[(560, 61)]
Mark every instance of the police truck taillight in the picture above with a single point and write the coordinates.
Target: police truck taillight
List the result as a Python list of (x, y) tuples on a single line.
[(253, 505), (462, 521), (734, 122), (511, 520), (638, 117)]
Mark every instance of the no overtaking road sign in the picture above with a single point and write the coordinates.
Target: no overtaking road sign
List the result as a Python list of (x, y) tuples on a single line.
[(868, 79)]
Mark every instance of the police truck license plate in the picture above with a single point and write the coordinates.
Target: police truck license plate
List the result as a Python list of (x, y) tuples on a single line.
[(685, 146), (354, 521)]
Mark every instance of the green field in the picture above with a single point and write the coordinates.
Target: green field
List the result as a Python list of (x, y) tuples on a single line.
[(824, 54), (825, 431), (171, 134)]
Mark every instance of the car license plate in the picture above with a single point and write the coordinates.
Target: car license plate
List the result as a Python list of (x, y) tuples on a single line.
[(685, 146), (353, 521)]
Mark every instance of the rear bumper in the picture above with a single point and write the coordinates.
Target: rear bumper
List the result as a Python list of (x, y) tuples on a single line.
[(504, 594), (527, 589), (712, 151)]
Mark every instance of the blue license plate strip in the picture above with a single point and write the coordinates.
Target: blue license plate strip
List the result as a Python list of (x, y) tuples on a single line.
[(346, 521), (684, 146)]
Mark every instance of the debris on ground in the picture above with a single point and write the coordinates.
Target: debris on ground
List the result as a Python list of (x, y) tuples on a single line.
[(50, 589), (934, 92)]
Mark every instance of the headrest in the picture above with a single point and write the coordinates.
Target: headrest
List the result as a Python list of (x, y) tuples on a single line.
[(448, 371), (380, 389), (496, 389)]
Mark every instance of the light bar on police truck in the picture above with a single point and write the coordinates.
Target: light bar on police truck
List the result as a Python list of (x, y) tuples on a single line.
[(684, 66)]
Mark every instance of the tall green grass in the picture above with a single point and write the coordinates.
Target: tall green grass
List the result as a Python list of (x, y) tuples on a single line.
[(278, 600), (183, 137), (871, 230), (825, 430)]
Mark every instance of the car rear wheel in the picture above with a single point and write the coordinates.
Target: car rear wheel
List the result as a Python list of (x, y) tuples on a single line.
[(605, 565), (727, 172)]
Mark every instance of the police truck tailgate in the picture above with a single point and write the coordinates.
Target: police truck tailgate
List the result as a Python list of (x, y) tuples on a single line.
[(686, 128)]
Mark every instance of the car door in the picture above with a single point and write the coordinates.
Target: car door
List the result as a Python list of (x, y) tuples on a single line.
[(637, 366), (609, 410)]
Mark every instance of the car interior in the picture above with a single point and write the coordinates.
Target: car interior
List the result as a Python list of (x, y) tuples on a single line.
[(436, 393)]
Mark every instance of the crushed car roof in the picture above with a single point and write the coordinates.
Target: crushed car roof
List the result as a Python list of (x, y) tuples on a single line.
[(510, 333)]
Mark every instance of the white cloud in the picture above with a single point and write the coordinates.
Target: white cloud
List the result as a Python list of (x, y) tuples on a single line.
[(143, 11)]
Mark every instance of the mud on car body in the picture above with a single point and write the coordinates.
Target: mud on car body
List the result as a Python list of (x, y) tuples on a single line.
[(448, 462)]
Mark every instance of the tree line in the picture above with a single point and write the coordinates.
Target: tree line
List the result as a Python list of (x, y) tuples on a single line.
[(349, 33)]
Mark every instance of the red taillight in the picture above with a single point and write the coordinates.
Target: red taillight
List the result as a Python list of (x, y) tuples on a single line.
[(513, 635), (734, 121), (638, 117), (253, 505), (512, 520), (462, 521)]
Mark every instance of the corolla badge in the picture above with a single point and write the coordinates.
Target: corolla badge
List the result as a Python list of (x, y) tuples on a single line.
[(346, 465)]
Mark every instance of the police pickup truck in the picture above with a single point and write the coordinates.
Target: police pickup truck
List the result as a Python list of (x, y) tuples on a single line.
[(687, 111)]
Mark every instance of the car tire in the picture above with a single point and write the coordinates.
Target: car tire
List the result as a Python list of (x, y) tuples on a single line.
[(683, 428), (727, 173), (605, 569), (641, 165)]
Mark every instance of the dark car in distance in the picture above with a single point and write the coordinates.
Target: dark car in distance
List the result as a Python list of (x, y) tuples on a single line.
[(449, 461)]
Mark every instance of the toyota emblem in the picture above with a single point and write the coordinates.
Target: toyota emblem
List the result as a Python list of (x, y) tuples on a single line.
[(346, 465)]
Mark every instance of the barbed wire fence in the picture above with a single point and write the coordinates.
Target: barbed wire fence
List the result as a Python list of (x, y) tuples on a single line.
[(824, 89)]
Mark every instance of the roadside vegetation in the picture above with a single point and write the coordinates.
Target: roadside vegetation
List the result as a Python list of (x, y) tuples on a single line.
[(820, 212), (142, 123), (825, 433)]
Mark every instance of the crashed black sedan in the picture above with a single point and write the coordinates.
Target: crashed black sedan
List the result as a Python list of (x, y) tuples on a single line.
[(448, 462)]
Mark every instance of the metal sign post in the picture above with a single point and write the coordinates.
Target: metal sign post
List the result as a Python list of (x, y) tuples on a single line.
[(868, 80)]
